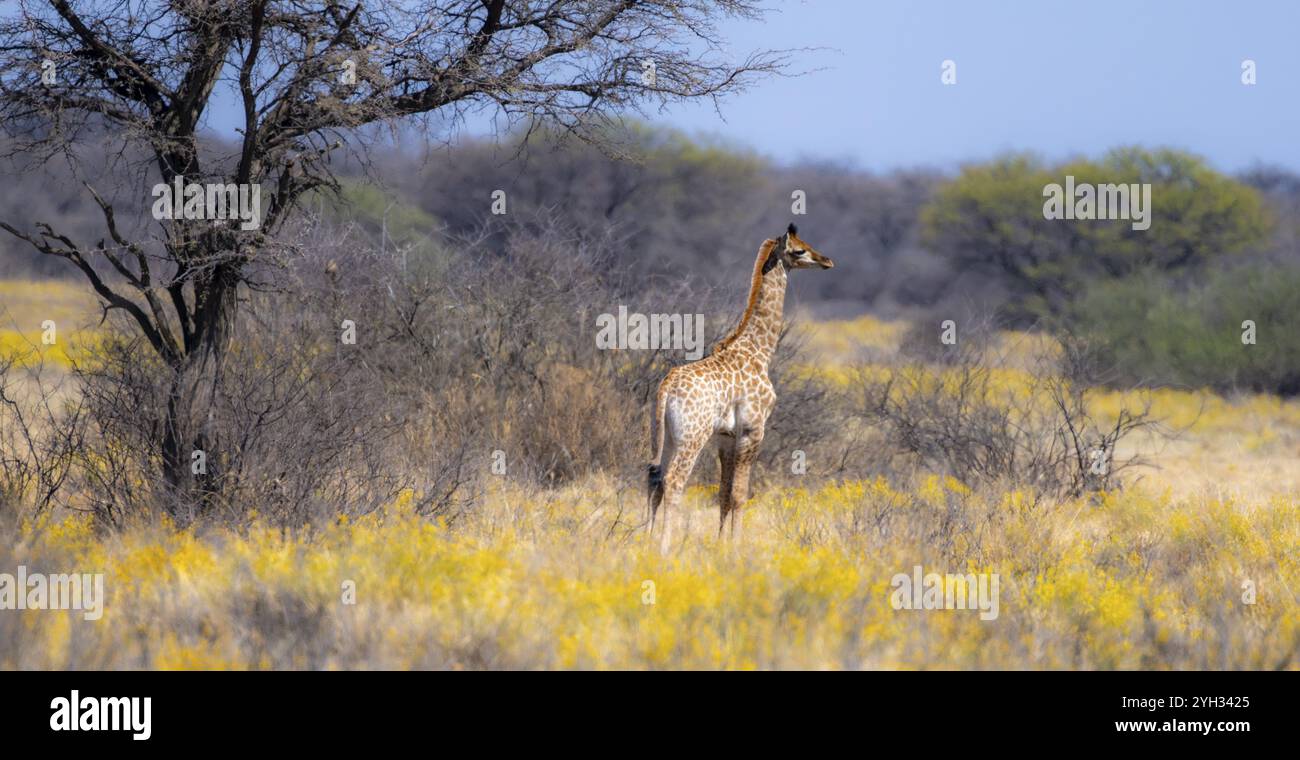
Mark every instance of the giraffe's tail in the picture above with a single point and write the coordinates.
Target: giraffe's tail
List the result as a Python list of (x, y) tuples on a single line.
[(654, 482), (655, 470)]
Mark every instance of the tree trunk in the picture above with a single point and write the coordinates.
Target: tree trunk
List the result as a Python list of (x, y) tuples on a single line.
[(193, 393)]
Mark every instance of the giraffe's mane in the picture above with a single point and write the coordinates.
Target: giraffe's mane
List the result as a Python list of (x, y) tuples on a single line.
[(755, 287)]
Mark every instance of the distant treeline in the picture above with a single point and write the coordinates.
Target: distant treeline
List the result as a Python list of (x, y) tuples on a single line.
[(678, 212), (689, 209)]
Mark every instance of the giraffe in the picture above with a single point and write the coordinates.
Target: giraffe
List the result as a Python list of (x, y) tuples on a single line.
[(726, 395)]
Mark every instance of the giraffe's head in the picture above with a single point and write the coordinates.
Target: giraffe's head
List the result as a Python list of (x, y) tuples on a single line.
[(796, 254)]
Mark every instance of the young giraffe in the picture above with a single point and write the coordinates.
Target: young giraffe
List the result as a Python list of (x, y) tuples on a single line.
[(726, 395)]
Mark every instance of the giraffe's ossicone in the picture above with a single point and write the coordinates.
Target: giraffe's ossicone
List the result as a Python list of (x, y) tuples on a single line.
[(726, 396)]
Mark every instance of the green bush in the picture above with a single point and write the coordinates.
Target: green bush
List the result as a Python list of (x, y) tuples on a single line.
[(1150, 330), (991, 218)]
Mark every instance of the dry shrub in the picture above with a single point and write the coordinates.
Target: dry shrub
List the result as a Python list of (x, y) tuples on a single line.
[(42, 430), (499, 344), (291, 428), (988, 425)]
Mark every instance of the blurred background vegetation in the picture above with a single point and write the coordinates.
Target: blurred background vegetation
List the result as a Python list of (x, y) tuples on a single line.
[(921, 244)]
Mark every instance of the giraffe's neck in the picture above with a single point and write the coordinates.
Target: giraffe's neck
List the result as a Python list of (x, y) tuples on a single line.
[(760, 326)]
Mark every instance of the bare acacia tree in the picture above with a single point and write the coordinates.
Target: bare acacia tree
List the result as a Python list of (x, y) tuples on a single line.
[(306, 76)]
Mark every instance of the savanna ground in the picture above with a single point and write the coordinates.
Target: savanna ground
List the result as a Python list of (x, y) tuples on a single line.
[(1151, 575)]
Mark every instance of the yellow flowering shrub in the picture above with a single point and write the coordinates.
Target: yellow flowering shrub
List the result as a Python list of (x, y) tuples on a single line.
[(1132, 580)]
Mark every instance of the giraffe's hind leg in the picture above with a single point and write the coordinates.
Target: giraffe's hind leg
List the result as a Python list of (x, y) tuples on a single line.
[(676, 475), (726, 469)]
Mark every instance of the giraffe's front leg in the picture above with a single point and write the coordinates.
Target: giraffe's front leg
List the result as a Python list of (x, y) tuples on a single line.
[(747, 445)]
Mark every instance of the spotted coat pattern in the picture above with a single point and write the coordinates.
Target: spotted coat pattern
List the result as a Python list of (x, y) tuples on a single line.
[(726, 396)]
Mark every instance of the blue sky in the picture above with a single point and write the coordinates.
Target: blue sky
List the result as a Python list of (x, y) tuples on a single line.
[(1056, 78)]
